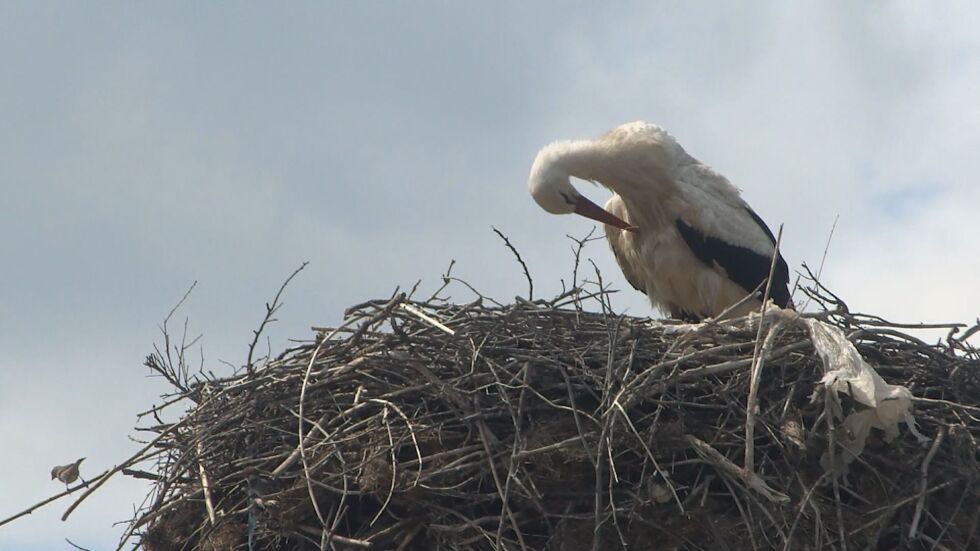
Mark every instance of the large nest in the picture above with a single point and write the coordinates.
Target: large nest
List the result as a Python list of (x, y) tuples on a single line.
[(540, 425)]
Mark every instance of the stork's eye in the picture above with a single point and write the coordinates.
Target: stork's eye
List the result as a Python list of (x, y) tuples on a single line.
[(570, 199)]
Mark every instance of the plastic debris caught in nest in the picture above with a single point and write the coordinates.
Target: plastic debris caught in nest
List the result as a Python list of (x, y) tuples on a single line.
[(846, 372)]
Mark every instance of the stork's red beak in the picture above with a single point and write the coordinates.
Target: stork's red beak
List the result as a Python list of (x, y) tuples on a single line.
[(591, 210)]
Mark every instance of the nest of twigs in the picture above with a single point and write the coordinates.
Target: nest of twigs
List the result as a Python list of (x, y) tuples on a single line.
[(538, 425)]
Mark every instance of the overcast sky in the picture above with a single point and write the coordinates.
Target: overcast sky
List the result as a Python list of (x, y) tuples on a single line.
[(147, 146)]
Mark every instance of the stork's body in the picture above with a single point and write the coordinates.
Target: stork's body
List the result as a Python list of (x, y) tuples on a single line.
[(680, 231)]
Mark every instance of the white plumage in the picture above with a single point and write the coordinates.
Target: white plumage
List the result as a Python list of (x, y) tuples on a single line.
[(680, 231)]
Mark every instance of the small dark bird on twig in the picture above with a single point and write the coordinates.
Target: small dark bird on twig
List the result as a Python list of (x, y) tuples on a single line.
[(67, 473)]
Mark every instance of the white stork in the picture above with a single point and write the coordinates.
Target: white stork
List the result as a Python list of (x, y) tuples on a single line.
[(680, 231)]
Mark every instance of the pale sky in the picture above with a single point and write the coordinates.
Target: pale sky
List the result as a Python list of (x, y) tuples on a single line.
[(148, 146)]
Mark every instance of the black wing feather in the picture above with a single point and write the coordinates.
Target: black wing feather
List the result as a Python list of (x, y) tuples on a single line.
[(762, 224), (745, 267)]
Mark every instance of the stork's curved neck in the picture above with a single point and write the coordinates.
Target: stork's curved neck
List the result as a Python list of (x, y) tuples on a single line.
[(632, 174), (579, 158)]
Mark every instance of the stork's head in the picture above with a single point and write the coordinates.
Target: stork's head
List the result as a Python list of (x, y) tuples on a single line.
[(551, 187)]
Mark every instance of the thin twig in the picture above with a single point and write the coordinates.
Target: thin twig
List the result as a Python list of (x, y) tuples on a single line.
[(102, 479), (427, 318), (42, 503), (527, 274), (205, 483), (270, 310), (752, 406), (725, 465), (924, 481), (823, 258)]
